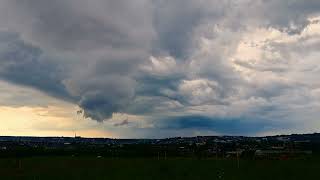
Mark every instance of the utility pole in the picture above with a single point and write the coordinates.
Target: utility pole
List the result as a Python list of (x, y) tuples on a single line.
[(238, 160), (217, 151)]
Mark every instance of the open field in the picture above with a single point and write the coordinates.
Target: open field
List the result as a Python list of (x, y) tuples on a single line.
[(152, 169)]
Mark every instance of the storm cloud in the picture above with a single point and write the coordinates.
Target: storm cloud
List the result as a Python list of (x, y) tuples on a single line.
[(225, 66)]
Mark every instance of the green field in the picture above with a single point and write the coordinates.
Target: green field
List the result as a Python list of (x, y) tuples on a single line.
[(152, 169)]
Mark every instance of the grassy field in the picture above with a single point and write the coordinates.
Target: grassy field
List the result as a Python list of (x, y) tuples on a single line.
[(151, 169)]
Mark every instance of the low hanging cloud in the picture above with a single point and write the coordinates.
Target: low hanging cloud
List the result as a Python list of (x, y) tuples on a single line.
[(247, 59)]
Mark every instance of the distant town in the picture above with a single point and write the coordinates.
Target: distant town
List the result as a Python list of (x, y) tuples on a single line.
[(282, 147)]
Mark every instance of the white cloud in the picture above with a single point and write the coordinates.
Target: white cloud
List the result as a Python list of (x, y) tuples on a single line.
[(200, 91)]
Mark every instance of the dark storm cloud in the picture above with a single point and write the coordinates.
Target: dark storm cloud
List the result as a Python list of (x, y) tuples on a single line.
[(293, 15), (122, 123), (226, 126), (25, 64), (79, 25), (163, 57), (175, 25), (103, 43)]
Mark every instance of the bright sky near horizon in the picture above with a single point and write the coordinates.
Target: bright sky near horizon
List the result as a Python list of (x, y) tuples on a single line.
[(159, 68)]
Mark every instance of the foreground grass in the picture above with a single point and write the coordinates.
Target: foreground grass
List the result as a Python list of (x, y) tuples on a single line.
[(151, 169)]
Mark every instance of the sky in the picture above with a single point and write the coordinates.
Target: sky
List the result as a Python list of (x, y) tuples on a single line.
[(159, 68)]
